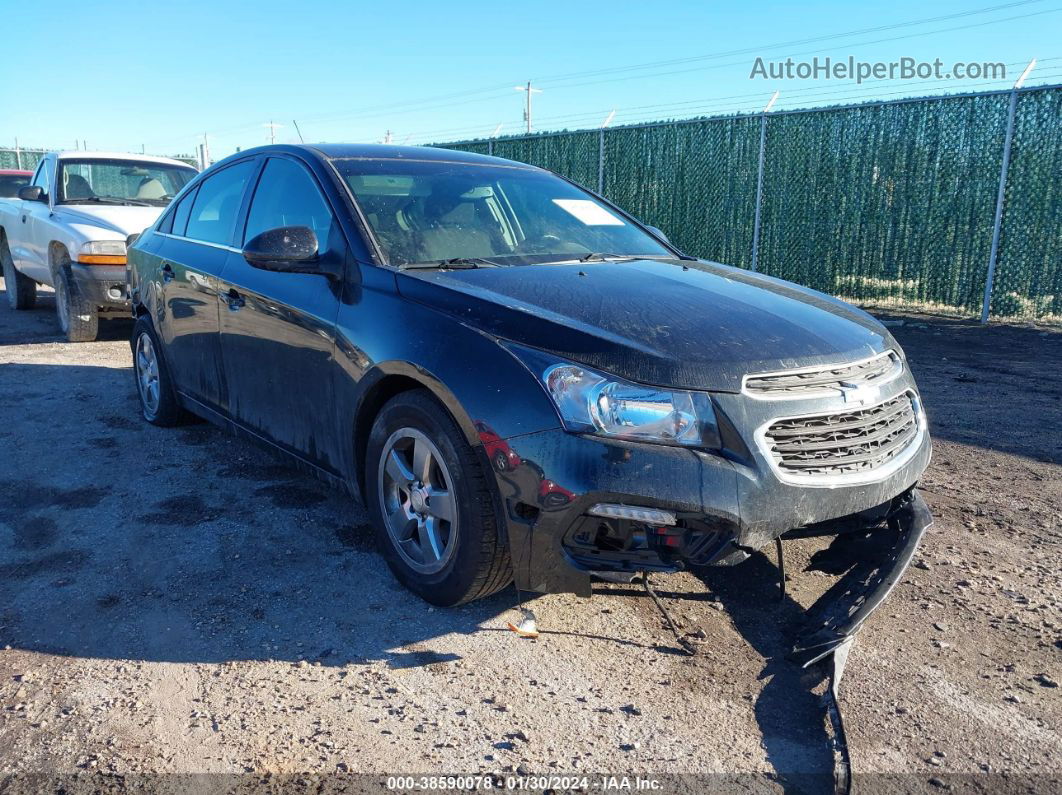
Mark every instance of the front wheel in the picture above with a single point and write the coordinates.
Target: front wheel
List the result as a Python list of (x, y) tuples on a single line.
[(431, 504), (21, 289), (78, 319)]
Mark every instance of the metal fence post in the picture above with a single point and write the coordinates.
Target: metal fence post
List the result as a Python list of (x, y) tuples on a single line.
[(759, 194), (601, 162), (1000, 196)]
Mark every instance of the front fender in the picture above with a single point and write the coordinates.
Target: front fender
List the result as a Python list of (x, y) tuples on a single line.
[(483, 386)]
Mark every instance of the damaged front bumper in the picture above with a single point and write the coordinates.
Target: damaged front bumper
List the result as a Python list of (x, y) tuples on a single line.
[(549, 484), (834, 620)]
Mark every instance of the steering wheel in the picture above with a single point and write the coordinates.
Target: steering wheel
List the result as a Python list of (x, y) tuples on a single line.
[(540, 244)]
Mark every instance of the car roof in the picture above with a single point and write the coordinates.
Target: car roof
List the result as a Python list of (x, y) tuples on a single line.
[(81, 155)]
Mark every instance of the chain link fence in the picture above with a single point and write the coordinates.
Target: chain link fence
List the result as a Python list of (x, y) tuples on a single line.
[(888, 204)]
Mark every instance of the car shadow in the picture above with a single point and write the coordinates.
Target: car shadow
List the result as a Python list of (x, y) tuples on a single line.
[(40, 324), (121, 540)]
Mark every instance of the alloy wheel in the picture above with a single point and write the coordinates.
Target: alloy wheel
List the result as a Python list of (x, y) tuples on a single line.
[(418, 501), (147, 375)]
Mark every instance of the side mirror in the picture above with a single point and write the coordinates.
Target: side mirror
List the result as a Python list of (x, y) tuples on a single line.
[(288, 249), (32, 193), (656, 231)]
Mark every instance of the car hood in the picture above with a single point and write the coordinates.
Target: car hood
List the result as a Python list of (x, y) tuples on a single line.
[(689, 324), (122, 220)]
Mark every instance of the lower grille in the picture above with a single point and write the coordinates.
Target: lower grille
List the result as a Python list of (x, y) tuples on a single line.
[(844, 443)]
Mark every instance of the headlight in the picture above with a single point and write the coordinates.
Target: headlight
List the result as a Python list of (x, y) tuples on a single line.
[(102, 252), (114, 248), (590, 402)]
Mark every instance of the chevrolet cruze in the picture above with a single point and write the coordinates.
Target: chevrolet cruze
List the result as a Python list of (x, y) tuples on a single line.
[(516, 377)]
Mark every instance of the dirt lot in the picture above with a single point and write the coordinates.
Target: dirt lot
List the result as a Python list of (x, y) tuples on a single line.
[(175, 601)]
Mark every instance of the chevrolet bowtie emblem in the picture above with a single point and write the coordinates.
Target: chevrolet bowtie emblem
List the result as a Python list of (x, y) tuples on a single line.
[(856, 394)]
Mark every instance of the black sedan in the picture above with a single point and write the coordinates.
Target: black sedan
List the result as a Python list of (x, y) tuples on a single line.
[(517, 377)]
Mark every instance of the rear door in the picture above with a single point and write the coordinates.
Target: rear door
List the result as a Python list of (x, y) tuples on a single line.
[(199, 241), (278, 329)]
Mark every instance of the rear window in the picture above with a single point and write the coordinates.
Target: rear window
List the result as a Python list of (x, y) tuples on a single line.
[(10, 183), (217, 203)]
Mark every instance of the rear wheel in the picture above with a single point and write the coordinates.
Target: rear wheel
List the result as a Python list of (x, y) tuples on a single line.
[(21, 290), (78, 319), (431, 504), (158, 399)]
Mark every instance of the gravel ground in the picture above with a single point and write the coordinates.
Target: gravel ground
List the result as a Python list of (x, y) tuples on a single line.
[(179, 602)]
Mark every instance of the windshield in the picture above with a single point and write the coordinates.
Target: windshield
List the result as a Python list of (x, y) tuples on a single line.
[(120, 182), (10, 183), (431, 212)]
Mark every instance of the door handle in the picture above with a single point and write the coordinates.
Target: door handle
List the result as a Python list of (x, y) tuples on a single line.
[(167, 273), (234, 299)]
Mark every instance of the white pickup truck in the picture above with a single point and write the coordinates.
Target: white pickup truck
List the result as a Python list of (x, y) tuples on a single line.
[(69, 227)]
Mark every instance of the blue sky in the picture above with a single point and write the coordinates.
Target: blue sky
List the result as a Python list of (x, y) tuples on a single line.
[(120, 75)]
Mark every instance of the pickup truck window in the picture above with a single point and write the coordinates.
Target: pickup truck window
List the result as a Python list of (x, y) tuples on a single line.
[(130, 182), (43, 176), (216, 204)]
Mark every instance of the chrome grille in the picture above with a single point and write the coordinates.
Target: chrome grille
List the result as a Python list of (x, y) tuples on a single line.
[(845, 442), (812, 382)]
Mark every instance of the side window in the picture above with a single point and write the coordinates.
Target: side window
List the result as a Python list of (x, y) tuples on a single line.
[(216, 204), (179, 216), (287, 196), (42, 179)]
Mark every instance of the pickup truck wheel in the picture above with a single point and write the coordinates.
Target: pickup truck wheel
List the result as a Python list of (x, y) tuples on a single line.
[(158, 400), (431, 503), (21, 290), (78, 319)]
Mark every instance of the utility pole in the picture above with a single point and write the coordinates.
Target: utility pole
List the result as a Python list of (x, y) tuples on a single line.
[(18, 156), (206, 151), (527, 109), (1001, 196), (301, 140), (387, 137), (273, 127)]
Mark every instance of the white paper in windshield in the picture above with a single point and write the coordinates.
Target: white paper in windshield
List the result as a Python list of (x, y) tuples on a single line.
[(590, 213)]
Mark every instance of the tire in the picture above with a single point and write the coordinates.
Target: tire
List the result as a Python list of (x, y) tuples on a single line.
[(154, 387), (21, 290), (468, 559), (78, 319)]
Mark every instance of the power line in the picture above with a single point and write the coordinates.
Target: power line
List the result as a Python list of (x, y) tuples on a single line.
[(430, 103), (796, 42), (739, 108)]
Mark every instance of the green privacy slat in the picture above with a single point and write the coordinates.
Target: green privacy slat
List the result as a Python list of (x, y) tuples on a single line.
[(1028, 281), (889, 205)]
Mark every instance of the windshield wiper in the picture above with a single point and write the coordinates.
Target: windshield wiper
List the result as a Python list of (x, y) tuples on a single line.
[(106, 200), (455, 263), (596, 256)]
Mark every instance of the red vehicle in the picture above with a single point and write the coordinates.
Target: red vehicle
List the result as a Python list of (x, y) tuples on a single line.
[(11, 180)]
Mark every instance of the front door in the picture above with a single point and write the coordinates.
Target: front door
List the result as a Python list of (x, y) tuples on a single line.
[(278, 329), (31, 250), (195, 250)]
